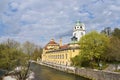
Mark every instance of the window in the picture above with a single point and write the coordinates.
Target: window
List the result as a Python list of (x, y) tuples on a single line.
[(66, 56), (74, 34), (81, 33), (60, 56), (73, 50), (63, 56), (81, 27), (75, 27)]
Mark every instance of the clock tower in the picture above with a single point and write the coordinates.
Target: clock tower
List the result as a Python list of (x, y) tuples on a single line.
[(78, 31)]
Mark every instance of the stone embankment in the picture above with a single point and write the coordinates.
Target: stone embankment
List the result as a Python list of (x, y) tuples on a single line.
[(88, 73), (97, 74)]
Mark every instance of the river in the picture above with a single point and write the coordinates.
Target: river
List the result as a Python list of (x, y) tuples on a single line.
[(46, 73)]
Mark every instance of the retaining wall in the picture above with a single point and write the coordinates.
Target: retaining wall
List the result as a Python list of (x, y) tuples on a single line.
[(97, 74), (88, 73)]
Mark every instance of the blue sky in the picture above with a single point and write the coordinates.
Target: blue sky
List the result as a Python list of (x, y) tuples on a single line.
[(40, 20)]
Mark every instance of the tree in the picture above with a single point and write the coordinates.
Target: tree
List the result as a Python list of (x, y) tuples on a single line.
[(28, 48), (114, 50), (116, 33), (37, 53), (16, 57), (92, 48), (10, 43), (75, 60), (9, 54), (12, 56)]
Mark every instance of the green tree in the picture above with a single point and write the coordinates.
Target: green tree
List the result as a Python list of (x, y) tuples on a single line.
[(9, 54), (116, 33), (76, 60), (114, 50), (12, 56), (93, 47)]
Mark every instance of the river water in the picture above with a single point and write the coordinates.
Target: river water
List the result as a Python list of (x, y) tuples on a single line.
[(46, 73)]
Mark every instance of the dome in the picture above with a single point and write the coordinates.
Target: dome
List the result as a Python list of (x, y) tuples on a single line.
[(79, 26), (78, 23)]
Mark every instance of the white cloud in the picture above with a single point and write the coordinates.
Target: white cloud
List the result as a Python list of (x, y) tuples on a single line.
[(41, 20)]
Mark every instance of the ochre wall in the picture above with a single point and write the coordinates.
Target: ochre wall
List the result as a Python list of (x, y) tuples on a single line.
[(62, 57)]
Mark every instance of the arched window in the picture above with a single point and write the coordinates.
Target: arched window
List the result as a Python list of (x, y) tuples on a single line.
[(66, 56), (75, 27), (81, 27), (81, 33), (74, 34)]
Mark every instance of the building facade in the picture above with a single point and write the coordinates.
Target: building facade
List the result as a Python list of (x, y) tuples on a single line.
[(56, 53)]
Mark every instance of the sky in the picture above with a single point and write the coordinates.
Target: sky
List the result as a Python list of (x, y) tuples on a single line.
[(39, 21)]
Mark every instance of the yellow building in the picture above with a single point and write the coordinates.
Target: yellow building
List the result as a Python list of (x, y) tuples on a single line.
[(54, 53)]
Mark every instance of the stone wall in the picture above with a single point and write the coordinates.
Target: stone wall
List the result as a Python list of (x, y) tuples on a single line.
[(88, 73), (97, 74)]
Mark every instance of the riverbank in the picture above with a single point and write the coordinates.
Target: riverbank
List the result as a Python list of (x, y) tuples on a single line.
[(88, 73)]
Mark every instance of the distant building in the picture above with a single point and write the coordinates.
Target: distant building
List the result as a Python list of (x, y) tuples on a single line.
[(56, 53)]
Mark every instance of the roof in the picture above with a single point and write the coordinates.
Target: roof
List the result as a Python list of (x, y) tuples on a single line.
[(78, 23), (64, 46), (52, 42)]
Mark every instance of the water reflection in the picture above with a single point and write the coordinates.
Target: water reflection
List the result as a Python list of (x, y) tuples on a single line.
[(46, 73)]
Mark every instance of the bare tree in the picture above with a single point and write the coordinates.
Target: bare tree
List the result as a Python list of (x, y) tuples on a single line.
[(28, 48)]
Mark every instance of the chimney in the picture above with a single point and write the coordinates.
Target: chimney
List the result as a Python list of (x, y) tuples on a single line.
[(60, 43)]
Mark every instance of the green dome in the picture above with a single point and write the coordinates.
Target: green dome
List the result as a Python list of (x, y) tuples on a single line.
[(78, 23)]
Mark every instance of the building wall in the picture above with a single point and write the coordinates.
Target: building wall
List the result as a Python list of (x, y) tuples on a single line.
[(61, 57), (57, 54)]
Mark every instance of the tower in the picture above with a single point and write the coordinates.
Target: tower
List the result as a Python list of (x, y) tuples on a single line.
[(79, 30), (60, 43)]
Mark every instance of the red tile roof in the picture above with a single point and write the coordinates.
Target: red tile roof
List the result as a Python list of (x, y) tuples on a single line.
[(64, 46), (52, 42)]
